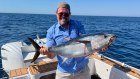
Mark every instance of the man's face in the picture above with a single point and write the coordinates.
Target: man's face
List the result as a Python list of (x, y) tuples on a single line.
[(63, 15)]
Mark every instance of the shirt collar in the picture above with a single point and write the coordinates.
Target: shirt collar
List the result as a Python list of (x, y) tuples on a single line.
[(60, 27)]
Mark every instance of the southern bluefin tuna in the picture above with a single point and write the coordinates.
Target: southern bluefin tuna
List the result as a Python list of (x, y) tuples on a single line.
[(81, 46)]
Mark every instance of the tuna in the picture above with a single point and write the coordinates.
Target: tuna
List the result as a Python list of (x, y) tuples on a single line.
[(78, 47)]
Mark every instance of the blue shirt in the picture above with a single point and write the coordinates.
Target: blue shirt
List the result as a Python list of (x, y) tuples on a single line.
[(57, 35)]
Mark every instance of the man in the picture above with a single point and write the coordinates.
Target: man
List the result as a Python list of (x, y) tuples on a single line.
[(62, 31)]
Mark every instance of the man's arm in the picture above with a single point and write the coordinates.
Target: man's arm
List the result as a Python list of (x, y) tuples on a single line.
[(50, 42)]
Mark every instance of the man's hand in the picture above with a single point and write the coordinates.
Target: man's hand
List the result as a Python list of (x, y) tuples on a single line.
[(44, 51)]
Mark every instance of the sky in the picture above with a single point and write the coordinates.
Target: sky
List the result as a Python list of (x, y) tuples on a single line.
[(78, 7)]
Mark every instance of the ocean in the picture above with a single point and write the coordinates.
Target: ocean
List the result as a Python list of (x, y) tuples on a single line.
[(18, 27)]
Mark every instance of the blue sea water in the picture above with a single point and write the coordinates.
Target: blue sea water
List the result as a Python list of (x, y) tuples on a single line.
[(15, 27)]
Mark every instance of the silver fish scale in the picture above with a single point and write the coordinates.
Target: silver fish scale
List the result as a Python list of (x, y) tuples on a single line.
[(72, 50), (77, 49)]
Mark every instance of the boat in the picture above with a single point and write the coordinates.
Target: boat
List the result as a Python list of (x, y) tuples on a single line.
[(16, 58)]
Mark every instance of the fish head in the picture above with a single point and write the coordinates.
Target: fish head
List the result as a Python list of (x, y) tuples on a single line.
[(102, 41)]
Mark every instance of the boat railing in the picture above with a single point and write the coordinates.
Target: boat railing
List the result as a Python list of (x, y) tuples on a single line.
[(121, 64)]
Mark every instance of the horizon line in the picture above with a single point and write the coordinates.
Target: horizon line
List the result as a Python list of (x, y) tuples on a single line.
[(72, 15)]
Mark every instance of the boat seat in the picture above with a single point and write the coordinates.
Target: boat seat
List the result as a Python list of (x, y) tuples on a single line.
[(28, 53), (27, 48), (42, 69)]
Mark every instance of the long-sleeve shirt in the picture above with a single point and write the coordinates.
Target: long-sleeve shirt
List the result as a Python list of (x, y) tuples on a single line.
[(57, 35)]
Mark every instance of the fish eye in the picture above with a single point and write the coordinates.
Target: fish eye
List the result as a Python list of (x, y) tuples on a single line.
[(105, 36)]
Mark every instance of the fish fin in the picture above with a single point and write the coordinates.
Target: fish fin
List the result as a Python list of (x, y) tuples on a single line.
[(37, 53), (37, 48), (87, 44), (83, 41)]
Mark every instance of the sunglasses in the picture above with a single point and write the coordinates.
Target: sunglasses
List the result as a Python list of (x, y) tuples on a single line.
[(63, 14)]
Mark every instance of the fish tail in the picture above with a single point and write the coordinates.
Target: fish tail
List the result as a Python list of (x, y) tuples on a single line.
[(37, 53), (37, 48)]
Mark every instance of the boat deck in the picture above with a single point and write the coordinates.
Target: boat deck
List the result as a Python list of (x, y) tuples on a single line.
[(47, 66), (41, 67), (18, 72)]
